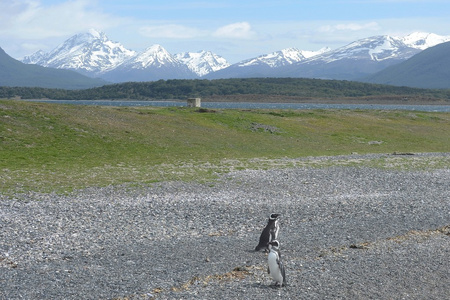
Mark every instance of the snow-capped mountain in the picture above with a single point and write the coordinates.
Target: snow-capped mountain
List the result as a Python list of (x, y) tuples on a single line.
[(275, 59), (423, 40), (309, 54), (35, 59), (153, 63), (264, 65), (202, 62), (282, 58), (362, 57), (383, 47), (376, 48), (153, 56), (427, 69), (92, 53)]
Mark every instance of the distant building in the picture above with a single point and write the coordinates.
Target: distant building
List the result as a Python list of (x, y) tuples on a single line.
[(194, 102)]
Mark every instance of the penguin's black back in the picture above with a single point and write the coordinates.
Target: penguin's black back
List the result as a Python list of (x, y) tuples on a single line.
[(264, 239)]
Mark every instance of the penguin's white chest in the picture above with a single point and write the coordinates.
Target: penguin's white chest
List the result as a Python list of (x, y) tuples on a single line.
[(274, 269), (276, 229)]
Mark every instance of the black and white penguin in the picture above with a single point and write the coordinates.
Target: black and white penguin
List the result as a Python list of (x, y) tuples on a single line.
[(276, 267), (269, 233)]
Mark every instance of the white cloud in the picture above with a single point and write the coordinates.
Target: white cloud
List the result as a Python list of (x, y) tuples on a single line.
[(349, 27), (14, 12), (241, 30), (172, 31), (29, 19)]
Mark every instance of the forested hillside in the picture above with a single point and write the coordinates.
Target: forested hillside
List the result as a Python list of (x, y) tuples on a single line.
[(182, 89)]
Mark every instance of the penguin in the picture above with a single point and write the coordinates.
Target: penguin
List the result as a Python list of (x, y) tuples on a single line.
[(276, 267), (269, 233)]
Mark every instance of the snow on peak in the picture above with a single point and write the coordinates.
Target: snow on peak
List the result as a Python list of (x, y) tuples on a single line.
[(276, 59), (155, 49), (292, 55), (376, 48), (34, 58), (91, 51), (424, 40), (283, 57), (202, 62), (154, 55), (96, 34), (308, 54), (86, 37), (385, 45)]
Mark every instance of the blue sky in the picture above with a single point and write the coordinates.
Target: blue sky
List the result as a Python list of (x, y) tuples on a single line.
[(234, 29)]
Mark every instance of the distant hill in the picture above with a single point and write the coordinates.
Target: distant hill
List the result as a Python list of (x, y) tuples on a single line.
[(235, 89), (427, 69), (16, 73)]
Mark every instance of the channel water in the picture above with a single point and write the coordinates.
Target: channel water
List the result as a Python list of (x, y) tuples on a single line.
[(255, 105)]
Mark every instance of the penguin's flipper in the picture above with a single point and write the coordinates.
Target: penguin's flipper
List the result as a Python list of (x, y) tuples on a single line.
[(283, 273)]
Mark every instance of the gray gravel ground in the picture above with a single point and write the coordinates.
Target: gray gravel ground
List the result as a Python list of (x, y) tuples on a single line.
[(346, 233)]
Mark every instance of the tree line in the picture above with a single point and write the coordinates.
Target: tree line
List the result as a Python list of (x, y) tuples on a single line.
[(184, 88)]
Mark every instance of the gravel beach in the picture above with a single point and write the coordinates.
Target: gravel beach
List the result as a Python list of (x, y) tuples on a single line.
[(346, 233)]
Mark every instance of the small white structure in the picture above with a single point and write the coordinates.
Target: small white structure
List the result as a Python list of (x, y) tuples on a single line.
[(194, 102)]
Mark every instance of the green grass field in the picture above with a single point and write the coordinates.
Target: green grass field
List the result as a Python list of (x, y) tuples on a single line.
[(53, 147)]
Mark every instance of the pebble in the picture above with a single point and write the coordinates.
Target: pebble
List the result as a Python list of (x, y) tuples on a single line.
[(346, 233)]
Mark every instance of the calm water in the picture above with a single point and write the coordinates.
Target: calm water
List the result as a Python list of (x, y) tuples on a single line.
[(251, 105)]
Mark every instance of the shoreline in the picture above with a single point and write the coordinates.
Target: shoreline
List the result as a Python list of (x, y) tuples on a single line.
[(394, 100), (258, 98), (278, 100)]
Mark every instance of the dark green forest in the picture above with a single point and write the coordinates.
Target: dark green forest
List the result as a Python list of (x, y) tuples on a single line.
[(182, 89)]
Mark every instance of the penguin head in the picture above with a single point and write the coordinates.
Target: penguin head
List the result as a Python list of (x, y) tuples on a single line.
[(274, 217), (275, 244)]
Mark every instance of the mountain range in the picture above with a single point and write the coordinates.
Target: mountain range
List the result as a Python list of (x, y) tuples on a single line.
[(94, 55), (351, 62), (91, 53)]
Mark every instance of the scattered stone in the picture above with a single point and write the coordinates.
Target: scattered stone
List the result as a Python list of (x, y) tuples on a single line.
[(264, 128), (183, 240), (402, 153)]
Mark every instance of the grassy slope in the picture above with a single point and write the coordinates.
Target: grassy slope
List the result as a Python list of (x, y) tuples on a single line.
[(60, 147)]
